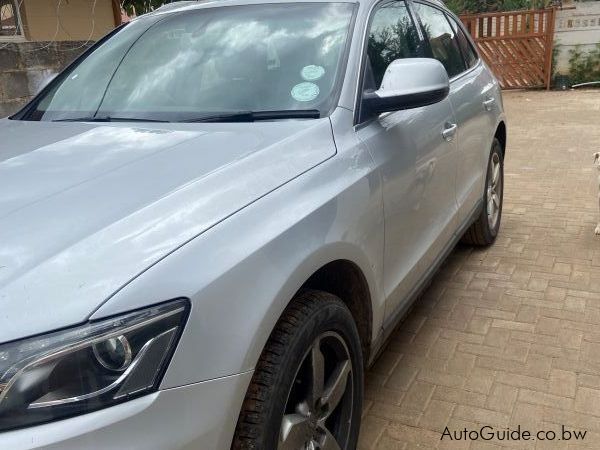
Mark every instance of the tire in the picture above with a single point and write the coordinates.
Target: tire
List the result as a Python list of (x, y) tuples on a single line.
[(485, 229), (278, 411)]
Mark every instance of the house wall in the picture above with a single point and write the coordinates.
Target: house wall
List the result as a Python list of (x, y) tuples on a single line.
[(26, 67), (55, 32), (576, 24), (62, 20)]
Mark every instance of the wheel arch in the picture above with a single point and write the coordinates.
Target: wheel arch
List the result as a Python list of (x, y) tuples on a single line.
[(500, 134), (344, 279)]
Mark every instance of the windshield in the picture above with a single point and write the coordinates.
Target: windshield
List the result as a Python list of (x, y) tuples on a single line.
[(208, 62)]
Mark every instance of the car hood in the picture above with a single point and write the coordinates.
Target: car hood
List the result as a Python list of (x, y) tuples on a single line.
[(85, 208)]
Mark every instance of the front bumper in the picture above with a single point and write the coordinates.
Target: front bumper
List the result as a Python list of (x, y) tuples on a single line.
[(200, 416)]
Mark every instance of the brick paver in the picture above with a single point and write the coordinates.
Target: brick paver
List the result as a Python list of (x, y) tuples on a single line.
[(509, 335)]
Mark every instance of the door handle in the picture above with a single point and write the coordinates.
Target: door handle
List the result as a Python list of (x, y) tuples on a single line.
[(449, 131), (489, 103)]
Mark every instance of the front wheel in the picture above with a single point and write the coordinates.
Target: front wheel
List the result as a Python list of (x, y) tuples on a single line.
[(485, 229), (306, 391)]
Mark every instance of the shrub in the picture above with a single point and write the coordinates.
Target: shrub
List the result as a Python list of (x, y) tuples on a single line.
[(584, 67)]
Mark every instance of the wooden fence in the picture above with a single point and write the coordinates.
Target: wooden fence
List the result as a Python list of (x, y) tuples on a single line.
[(517, 45)]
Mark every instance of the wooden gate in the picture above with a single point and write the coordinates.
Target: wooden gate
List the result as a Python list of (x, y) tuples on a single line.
[(517, 45)]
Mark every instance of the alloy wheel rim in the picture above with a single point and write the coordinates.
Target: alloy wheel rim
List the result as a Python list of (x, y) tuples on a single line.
[(494, 191), (318, 411)]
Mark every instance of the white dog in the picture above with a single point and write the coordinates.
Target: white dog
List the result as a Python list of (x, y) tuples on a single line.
[(597, 164)]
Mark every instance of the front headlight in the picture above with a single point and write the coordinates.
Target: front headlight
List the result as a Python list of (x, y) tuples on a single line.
[(89, 367)]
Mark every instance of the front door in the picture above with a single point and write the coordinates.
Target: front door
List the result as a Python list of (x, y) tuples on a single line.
[(415, 151)]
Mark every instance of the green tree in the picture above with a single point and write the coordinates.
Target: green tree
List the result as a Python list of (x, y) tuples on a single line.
[(584, 66), (482, 6), (137, 7)]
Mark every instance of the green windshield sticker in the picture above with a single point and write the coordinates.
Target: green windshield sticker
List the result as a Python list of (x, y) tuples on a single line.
[(312, 72), (305, 92)]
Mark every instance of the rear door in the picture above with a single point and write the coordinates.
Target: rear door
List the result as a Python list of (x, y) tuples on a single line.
[(417, 164), (470, 89), (473, 96)]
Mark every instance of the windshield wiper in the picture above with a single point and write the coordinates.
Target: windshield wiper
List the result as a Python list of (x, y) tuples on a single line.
[(107, 119), (238, 116), (251, 116)]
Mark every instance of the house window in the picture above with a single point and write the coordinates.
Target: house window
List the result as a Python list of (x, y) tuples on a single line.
[(10, 20)]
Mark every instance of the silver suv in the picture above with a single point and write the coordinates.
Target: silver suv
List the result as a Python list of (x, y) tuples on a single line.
[(211, 221)]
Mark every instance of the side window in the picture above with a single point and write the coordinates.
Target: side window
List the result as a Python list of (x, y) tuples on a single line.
[(466, 47), (442, 38), (392, 35)]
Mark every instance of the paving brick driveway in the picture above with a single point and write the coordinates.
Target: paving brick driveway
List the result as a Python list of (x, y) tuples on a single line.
[(509, 335)]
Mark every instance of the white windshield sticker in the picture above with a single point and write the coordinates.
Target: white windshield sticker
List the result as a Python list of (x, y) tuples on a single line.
[(305, 92), (312, 72)]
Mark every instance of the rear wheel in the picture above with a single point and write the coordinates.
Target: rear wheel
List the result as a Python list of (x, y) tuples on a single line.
[(306, 392), (485, 229)]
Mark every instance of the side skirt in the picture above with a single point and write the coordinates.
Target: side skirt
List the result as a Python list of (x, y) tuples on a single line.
[(400, 314)]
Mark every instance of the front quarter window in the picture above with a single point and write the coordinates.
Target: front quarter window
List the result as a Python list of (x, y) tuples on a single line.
[(209, 61), (392, 35)]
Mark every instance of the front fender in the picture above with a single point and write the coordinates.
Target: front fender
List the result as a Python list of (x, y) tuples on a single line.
[(241, 274)]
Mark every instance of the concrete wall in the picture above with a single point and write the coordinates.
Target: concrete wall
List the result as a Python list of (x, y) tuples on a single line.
[(26, 67), (74, 20), (54, 32), (577, 23)]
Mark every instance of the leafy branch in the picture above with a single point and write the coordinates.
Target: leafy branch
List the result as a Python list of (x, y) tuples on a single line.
[(138, 7), (584, 67), (482, 6)]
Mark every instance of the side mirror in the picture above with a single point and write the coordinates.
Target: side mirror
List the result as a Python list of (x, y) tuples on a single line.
[(407, 83)]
